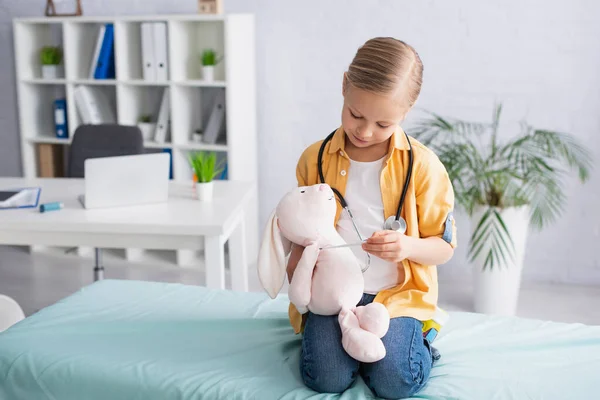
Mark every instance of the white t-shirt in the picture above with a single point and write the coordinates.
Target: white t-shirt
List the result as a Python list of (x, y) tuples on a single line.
[(363, 195)]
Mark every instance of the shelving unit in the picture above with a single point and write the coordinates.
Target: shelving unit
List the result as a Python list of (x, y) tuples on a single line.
[(131, 96)]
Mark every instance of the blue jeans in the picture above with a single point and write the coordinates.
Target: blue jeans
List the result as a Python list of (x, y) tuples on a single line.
[(327, 368)]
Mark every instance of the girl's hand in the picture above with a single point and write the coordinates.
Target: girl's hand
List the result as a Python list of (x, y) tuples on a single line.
[(390, 246)]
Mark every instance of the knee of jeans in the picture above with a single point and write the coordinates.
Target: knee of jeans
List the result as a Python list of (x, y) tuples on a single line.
[(400, 383), (398, 389), (328, 381)]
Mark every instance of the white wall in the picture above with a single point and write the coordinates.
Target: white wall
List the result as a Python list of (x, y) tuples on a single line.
[(540, 58)]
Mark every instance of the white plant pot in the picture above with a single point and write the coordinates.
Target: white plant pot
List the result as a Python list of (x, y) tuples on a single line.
[(205, 190), (496, 290), (208, 73), (147, 129), (51, 71)]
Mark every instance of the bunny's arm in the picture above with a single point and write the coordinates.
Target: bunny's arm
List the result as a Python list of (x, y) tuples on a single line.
[(294, 258), (300, 287)]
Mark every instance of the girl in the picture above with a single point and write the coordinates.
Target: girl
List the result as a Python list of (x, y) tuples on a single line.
[(367, 161)]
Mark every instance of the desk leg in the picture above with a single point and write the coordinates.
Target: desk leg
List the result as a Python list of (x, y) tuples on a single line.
[(238, 258), (215, 262), (98, 268)]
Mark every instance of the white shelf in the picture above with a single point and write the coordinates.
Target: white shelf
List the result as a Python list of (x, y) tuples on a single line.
[(201, 83), (202, 146), (42, 81), (141, 82), (154, 145), (99, 82), (123, 18), (130, 96), (49, 140)]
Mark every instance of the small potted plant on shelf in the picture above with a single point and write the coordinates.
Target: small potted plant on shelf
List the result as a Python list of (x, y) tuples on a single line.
[(209, 60), (206, 169), (51, 58), (505, 187), (146, 126)]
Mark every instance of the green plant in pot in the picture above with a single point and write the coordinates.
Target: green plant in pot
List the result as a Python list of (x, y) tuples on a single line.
[(209, 59), (147, 127), (51, 59), (505, 187), (206, 168)]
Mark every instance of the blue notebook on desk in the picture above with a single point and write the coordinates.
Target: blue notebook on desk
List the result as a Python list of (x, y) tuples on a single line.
[(19, 198)]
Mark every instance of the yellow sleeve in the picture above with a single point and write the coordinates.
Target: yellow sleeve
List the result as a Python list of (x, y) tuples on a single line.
[(435, 201), (301, 171)]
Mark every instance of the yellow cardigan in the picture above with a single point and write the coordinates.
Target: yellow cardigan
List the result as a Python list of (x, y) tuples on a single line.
[(427, 209)]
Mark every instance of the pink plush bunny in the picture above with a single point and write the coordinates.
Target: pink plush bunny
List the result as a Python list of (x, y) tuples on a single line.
[(326, 281)]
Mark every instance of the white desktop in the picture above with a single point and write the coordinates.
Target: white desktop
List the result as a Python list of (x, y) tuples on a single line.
[(126, 180)]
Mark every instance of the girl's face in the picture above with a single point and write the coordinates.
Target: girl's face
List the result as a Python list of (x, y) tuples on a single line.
[(368, 118)]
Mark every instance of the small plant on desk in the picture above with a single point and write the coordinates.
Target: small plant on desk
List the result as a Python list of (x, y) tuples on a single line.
[(206, 169), (51, 58)]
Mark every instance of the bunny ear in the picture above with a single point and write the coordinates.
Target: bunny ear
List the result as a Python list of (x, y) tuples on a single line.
[(272, 257)]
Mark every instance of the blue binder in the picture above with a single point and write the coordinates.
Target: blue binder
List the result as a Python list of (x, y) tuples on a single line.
[(170, 162), (60, 118), (105, 67)]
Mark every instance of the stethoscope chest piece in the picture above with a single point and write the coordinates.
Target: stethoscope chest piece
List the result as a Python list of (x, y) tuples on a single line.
[(393, 224)]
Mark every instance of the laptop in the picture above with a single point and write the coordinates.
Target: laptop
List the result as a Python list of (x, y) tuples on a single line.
[(126, 180)]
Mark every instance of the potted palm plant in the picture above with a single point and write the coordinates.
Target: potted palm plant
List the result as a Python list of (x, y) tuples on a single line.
[(505, 187), (206, 169), (51, 58), (209, 59)]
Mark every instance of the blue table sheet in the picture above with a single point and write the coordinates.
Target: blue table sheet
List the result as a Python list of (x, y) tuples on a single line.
[(146, 340)]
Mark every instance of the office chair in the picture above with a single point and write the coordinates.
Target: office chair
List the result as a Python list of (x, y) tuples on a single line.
[(10, 312), (95, 141)]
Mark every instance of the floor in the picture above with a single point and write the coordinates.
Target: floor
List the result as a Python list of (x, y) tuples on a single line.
[(38, 280)]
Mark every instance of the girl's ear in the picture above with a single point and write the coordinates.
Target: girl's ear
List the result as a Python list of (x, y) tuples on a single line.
[(273, 251)]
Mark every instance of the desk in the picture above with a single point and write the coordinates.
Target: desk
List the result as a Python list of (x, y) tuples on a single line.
[(181, 223)]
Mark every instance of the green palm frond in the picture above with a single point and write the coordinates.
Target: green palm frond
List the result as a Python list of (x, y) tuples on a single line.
[(491, 236), (485, 171)]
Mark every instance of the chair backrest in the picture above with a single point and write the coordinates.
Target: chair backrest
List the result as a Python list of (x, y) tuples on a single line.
[(10, 312), (106, 140)]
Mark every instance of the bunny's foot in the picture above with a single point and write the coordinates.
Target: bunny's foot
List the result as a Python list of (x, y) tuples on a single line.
[(359, 343), (373, 317)]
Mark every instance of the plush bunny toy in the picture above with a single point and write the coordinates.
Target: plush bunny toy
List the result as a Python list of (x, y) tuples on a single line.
[(326, 281)]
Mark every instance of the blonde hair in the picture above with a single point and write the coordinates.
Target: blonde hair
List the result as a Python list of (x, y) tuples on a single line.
[(386, 65)]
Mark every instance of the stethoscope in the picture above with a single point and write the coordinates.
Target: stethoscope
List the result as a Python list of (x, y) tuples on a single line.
[(393, 223)]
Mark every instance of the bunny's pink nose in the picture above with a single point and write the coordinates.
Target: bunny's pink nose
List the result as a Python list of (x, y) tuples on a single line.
[(322, 188)]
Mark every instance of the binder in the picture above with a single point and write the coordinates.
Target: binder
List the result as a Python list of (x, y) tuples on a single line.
[(170, 152), (148, 59), (105, 68), (162, 122), (50, 160), (20, 198), (215, 121), (96, 55), (93, 106), (160, 50), (60, 118)]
